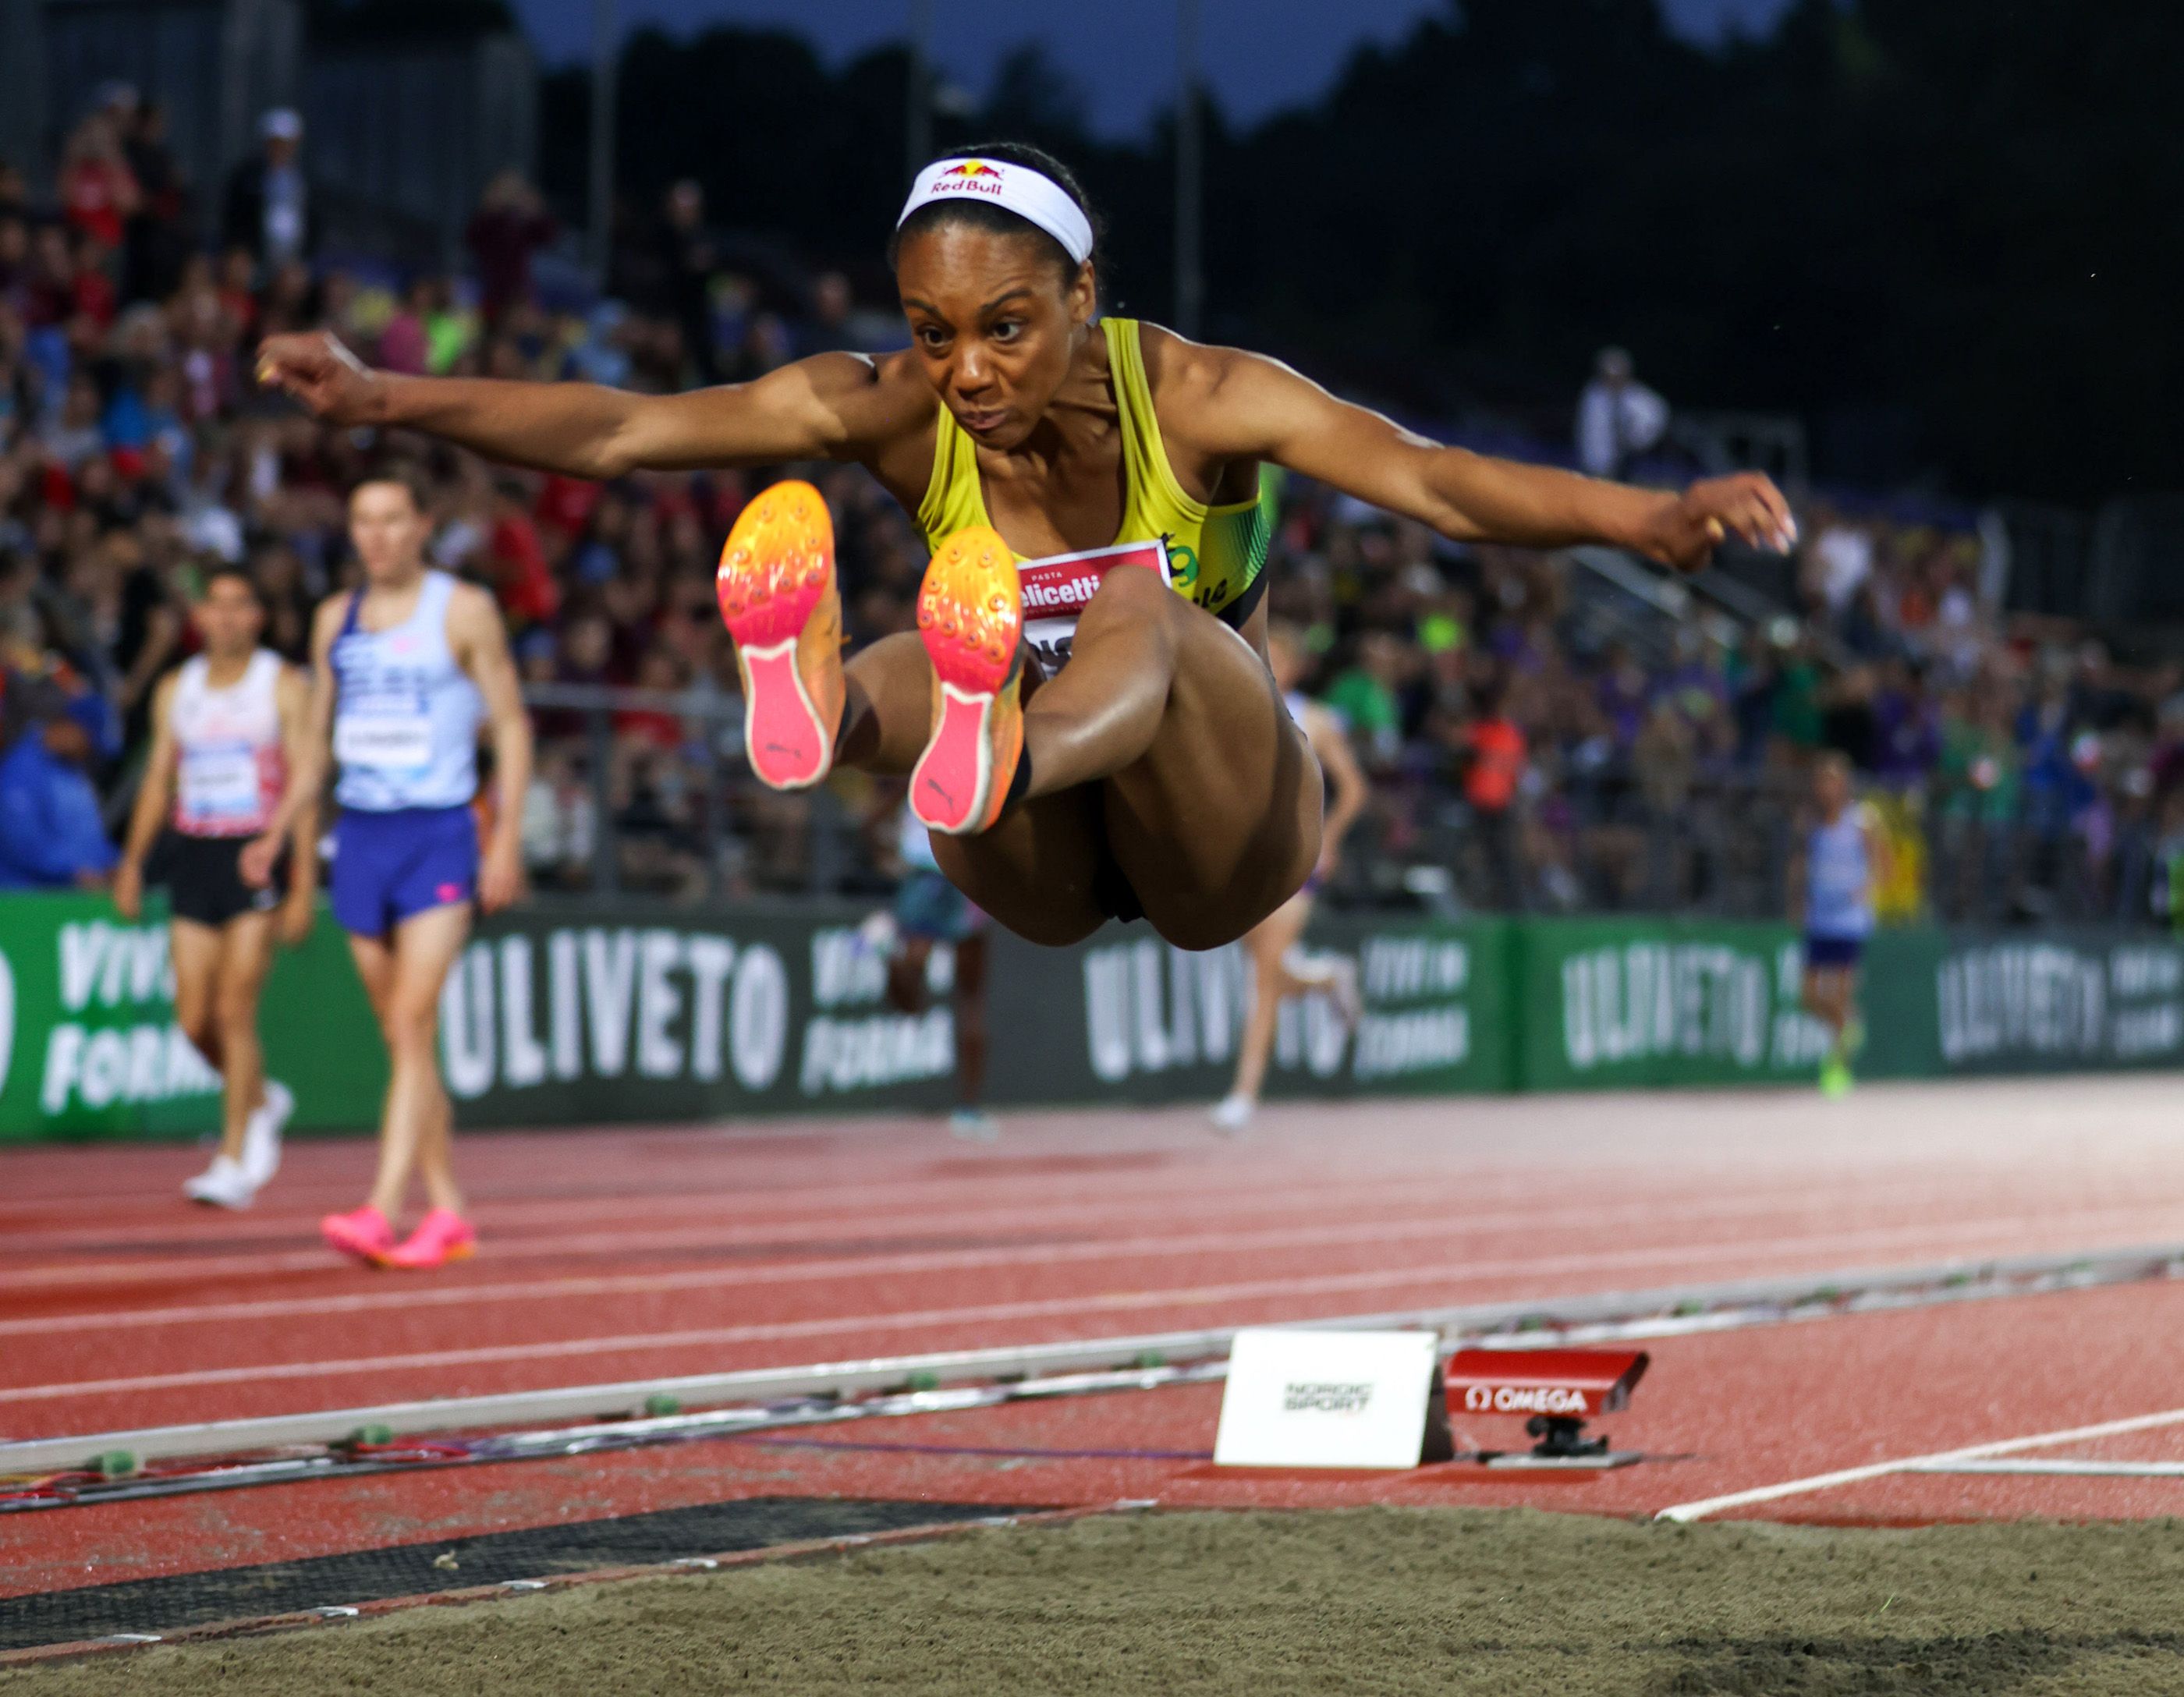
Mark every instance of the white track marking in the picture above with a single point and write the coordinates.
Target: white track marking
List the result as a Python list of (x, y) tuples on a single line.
[(2011, 1231), (1910, 1463), (1462, 1222), (1110, 1302), (2060, 1467)]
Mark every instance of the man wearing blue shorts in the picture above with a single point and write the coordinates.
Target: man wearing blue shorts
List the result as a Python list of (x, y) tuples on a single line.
[(1843, 859), (405, 671)]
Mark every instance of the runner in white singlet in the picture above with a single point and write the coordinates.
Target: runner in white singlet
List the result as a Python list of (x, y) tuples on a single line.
[(1281, 965), (225, 727)]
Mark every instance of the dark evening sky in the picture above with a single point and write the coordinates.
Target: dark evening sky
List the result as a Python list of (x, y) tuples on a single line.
[(1259, 55)]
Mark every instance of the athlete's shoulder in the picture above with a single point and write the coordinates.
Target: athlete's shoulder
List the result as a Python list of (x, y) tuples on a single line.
[(1215, 395), (1177, 366), (472, 611), (171, 685), (874, 395)]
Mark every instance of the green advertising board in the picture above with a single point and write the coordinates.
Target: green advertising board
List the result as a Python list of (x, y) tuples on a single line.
[(1160, 1024), (90, 1048), (1613, 1003), (595, 1012), (2069, 999), (605, 1012)]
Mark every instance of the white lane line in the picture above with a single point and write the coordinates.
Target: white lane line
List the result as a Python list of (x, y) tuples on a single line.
[(58, 1327), (1130, 1192), (1906, 1464), (757, 1216), (2059, 1467), (503, 1247), (1449, 1275), (1458, 1220)]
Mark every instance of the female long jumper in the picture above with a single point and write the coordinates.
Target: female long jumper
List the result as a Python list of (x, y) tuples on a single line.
[(1087, 737)]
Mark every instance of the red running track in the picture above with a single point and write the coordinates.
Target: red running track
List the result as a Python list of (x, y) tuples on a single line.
[(612, 1255)]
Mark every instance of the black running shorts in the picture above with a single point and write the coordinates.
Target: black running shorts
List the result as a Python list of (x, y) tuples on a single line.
[(204, 880)]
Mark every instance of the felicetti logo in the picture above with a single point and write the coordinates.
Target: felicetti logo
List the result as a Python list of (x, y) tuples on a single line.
[(973, 177), (1073, 595)]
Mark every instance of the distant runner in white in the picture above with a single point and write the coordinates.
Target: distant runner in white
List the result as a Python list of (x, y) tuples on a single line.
[(226, 729)]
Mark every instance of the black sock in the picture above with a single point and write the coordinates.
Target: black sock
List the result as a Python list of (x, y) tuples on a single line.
[(1019, 785)]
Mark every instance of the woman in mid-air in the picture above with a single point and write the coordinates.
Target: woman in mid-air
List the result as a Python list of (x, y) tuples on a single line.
[(1091, 735)]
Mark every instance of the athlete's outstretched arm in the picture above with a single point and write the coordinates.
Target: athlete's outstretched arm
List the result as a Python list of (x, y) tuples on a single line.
[(310, 751), (480, 641), (1323, 728), (1237, 404), (821, 408), (293, 698), (153, 794)]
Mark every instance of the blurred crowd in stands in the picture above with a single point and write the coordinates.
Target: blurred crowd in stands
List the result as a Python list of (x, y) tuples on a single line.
[(1540, 737)]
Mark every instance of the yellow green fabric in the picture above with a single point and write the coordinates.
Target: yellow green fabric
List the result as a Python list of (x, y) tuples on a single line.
[(1215, 554)]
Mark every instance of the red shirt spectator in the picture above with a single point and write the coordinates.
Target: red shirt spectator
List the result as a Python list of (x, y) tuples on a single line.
[(98, 191), (1498, 763), (523, 581)]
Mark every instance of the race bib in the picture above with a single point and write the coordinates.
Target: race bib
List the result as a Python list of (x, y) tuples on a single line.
[(1057, 590), (384, 741), (220, 783)]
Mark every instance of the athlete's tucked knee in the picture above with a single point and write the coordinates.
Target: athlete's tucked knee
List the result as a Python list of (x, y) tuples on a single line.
[(1135, 600)]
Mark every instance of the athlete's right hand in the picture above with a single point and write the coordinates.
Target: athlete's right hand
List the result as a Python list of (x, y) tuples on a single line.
[(315, 369), (129, 891), (255, 862)]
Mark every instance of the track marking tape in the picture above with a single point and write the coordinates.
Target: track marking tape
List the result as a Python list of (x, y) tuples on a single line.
[(1936, 1462)]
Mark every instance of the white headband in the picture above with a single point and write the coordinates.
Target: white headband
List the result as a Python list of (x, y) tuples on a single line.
[(1029, 194)]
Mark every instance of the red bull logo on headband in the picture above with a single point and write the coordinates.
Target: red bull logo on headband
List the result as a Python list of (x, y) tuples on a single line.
[(973, 177)]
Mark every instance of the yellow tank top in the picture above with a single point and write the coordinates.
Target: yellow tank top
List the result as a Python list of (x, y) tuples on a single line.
[(1215, 554)]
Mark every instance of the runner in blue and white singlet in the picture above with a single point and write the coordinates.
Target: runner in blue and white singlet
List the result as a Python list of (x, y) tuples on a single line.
[(407, 669), (405, 736), (1842, 855)]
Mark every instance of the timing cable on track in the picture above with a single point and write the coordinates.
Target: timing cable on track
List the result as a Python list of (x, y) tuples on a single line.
[(59, 1472)]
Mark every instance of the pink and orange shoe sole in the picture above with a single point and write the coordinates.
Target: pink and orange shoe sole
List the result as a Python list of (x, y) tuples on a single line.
[(780, 603), (970, 617)]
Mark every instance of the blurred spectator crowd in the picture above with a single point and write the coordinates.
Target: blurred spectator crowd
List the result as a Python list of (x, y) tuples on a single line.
[(1540, 737)]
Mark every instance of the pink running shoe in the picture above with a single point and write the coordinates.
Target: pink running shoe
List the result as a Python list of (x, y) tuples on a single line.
[(778, 600), (362, 1232), (442, 1236), (970, 617)]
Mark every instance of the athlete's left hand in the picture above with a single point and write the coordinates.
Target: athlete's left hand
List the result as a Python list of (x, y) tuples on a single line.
[(255, 862), (1747, 506), (297, 913), (500, 879)]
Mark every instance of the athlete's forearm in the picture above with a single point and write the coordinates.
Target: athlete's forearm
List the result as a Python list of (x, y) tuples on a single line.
[(304, 847), (511, 766), (573, 428), (307, 780), (1340, 818), (146, 817), (1539, 506)]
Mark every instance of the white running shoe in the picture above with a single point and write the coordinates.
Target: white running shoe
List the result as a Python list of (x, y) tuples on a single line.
[(224, 1184), (1233, 1112), (261, 1137), (974, 1126)]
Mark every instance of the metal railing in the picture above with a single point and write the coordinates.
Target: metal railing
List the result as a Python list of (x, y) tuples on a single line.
[(622, 804)]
